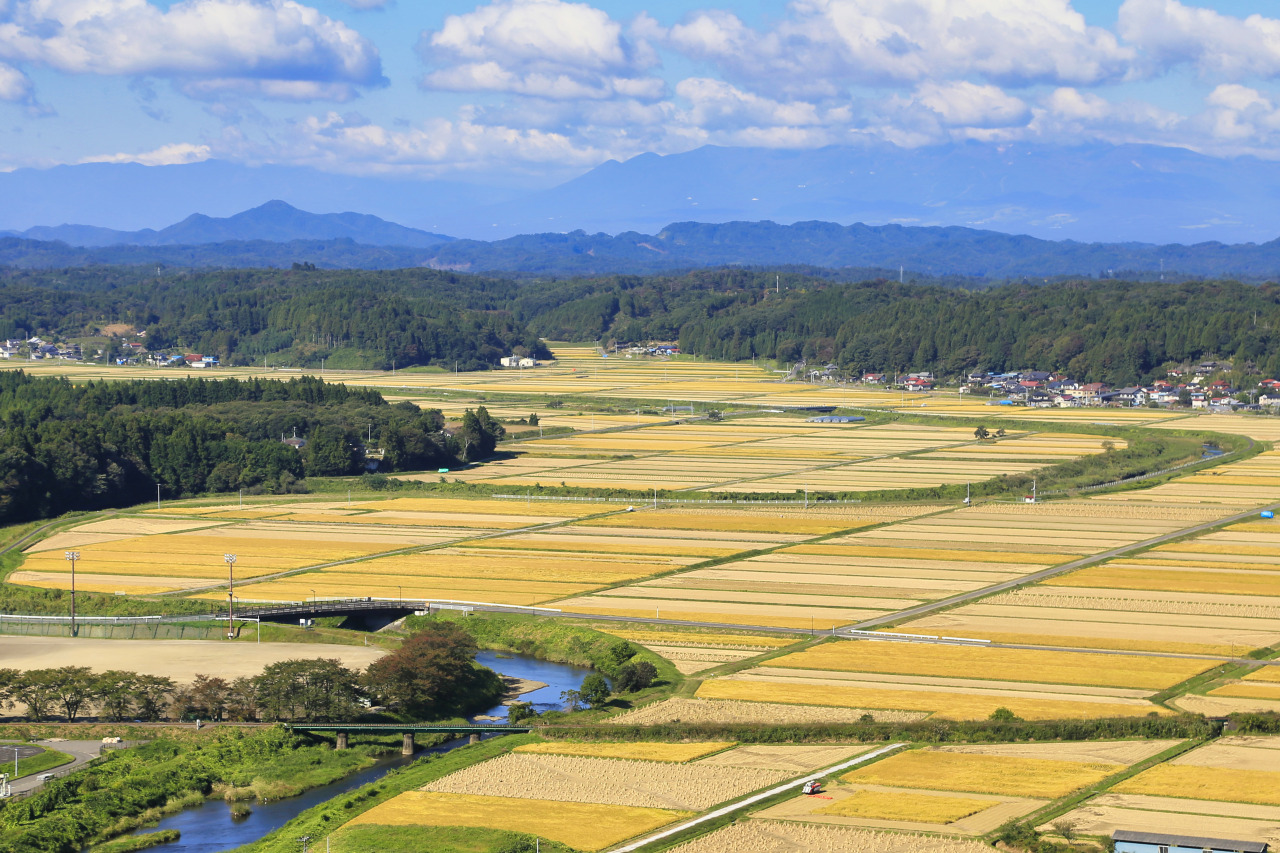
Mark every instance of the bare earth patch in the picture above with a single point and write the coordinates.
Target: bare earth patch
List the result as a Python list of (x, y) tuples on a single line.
[(176, 659)]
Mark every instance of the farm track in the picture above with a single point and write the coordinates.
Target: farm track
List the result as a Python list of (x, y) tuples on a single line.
[(965, 597)]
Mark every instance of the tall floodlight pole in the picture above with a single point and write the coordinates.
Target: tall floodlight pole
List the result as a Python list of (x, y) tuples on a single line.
[(231, 594), (73, 556)]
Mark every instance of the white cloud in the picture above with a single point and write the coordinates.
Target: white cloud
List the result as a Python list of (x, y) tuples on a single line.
[(165, 155), (14, 85), (826, 45), (543, 48), (437, 146), (269, 48), (718, 104), (963, 104), (1170, 33)]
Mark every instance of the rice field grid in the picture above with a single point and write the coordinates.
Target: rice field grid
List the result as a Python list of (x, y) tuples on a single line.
[(693, 651), (770, 455), (769, 836), (1250, 482), (871, 573), (1228, 788), (1215, 594), (959, 682)]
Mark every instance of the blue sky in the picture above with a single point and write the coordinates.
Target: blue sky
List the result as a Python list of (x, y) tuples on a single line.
[(536, 91)]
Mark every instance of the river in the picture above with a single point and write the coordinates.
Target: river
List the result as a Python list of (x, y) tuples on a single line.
[(209, 827)]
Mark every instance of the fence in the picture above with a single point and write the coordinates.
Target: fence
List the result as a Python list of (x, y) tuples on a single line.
[(112, 628)]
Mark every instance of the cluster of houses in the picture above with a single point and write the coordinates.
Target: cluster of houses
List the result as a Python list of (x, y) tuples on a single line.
[(191, 359), (35, 348), (1043, 389)]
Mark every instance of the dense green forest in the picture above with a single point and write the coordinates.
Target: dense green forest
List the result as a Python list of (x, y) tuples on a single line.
[(373, 320), (80, 447), (1096, 330), (1110, 331)]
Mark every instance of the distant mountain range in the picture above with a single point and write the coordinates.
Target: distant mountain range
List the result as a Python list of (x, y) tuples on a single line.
[(1088, 193), (273, 222), (278, 235)]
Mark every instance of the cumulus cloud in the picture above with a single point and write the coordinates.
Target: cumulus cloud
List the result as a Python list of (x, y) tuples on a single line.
[(543, 48), (1170, 33), (352, 143), (165, 155), (824, 45), (268, 48), (14, 85), (963, 104)]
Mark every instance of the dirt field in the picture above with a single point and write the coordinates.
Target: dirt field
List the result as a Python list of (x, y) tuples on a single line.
[(622, 783), (176, 659), (759, 836), (793, 759), (1101, 816), (1113, 752)]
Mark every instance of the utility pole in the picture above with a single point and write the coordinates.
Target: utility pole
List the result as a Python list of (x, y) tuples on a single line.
[(73, 556), (231, 594), (157, 495)]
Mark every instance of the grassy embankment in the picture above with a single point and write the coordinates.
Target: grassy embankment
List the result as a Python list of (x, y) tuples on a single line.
[(47, 759), (130, 788)]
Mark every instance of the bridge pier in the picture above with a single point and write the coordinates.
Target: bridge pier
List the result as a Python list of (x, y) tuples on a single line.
[(473, 739), (408, 745), (342, 741)]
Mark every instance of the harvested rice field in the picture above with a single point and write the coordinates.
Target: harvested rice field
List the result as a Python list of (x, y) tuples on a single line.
[(1216, 594), (677, 753), (582, 826), (768, 836), (792, 759), (867, 574), (694, 711), (981, 663), (1103, 814), (1229, 788), (1045, 775), (1250, 482), (903, 810), (940, 702), (643, 784), (1230, 769)]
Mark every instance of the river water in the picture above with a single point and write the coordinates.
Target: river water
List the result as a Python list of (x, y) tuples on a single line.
[(209, 827)]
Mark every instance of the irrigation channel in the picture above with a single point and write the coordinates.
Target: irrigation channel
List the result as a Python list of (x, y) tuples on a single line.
[(209, 827)]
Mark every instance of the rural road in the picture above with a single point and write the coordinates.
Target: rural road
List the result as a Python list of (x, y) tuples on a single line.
[(83, 751), (754, 798), (1036, 577)]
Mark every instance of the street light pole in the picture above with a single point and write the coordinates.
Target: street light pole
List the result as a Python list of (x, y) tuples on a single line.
[(73, 556), (231, 594)]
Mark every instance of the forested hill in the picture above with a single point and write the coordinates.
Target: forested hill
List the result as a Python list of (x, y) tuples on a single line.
[(1112, 331), (66, 446), (367, 320), (935, 251), (1118, 332)]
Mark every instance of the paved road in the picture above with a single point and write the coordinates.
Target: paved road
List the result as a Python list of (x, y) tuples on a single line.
[(1036, 577), (83, 751), (753, 799)]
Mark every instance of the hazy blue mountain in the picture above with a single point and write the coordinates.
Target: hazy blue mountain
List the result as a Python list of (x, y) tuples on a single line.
[(1088, 193), (128, 196), (931, 251), (275, 222)]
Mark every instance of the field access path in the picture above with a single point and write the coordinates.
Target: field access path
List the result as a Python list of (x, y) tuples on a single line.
[(1052, 571)]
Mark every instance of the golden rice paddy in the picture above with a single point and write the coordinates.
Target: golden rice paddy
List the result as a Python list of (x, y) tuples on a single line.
[(893, 805), (677, 753), (759, 836), (983, 774), (582, 826)]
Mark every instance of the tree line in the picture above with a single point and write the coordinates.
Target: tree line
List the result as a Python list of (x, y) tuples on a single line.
[(66, 446), (433, 674), (380, 320)]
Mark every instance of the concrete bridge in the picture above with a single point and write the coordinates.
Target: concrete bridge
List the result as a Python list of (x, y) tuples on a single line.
[(407, 730)]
